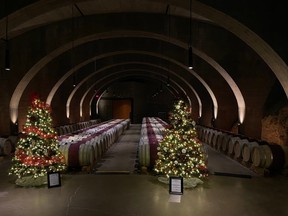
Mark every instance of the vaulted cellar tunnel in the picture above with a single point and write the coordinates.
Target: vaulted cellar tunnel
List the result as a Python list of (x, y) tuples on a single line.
[(77, 55), (98, 60)]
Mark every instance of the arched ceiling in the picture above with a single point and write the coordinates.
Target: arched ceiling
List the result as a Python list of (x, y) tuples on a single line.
[(149, 35)]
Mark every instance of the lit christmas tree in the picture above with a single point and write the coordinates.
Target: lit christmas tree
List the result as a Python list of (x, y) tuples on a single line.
[(37, 150), (180, 153)]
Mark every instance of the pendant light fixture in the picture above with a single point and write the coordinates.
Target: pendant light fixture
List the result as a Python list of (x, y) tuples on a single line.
[(190, 53), (7, 58), (7, 52), (72, 46)]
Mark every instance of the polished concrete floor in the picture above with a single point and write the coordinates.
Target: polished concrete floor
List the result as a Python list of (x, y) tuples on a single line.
[(136, 194)]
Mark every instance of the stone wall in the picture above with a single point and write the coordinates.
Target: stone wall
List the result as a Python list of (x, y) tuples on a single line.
[(275, 128)]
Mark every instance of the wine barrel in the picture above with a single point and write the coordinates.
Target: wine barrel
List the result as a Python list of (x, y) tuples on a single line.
[(205, 135), (278, 157), (285, 150), (261, 156), (219, 140), (247, 151), (97, 145), (199, 131), (61, 130), (215, 137), (86, 154), (5, 146), (209, 136), (225, 142), (271, 156), (14, 141), (103, 144), (231, 144), (238, 146), (144, 155)]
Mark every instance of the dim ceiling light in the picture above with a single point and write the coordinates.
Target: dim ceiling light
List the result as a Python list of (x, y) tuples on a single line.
[(7, 60), (190, 58)]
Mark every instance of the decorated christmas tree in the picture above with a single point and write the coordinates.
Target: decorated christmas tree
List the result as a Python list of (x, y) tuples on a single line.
[(180, 153), (37, 151)]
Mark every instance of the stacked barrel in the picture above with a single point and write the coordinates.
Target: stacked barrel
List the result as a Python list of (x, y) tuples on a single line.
[(151, 134), (75, 128), (6, 146), (258, 155), (88, 145)]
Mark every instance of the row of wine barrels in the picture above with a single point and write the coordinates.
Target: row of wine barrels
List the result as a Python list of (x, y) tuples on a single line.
[(93, 141), (6, 146), (67, 129), (257, 153), (151, 129)]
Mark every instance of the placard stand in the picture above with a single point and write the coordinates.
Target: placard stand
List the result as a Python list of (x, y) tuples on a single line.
[(176, 185), (54, 179)]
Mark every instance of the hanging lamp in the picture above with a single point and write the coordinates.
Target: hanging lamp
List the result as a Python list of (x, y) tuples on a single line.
[(190, 53)]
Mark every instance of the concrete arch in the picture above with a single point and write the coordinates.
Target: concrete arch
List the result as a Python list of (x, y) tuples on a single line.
[(125, 75), (175, 83), (200, 11), (97, 103), (40, 64), (269, 56), (237, 93), (102, 69)]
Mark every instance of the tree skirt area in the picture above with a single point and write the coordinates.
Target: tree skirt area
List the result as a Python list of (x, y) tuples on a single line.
[(30, 181), (187, 182)]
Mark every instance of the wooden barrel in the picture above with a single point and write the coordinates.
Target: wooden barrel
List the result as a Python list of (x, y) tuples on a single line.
[(247, 151), (14, 141), (5, 146), (106, 142), (214, 138), (261, 156), (199, 131), (285, 150), (205, 135), (209, 136), (203, 132), (102, 143), (238, 146), (219, 140), (86, 154), (278, 157), (225, 142), (62, 130), (144, 155), (231, 144), (98, 151)]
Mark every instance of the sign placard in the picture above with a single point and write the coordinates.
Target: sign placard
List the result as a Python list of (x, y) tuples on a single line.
[(54, 179), (176, 185)]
